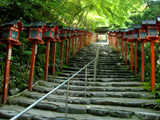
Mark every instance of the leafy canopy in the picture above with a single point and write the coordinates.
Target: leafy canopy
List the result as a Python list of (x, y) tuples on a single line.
[(88, 14)]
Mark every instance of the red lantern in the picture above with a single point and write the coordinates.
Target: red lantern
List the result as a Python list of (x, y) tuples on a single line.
[(10, 31), (63, 33), (50, 33), (36, 30), (57, 33)]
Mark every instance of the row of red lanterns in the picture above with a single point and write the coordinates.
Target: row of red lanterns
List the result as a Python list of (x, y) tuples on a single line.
[(147, 31), (39, 31)]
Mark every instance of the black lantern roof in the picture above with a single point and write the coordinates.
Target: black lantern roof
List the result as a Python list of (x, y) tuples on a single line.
[(117, 31), (66, 28), (52, 24), (76, 29), (18, 22), (101, 30), (127, 30), (158, 18), (71, 28), (151, 22), (10, 23), (137, 26), (122, 30), (109, 31), (81, 29), (130, 29), (144, 22), (38, 24)]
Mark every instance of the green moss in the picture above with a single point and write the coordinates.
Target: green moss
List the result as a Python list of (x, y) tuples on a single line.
[(57, 72), (65, 66), (146, 86)]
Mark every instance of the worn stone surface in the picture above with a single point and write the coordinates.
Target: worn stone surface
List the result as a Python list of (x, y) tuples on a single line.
[(120, 114), (147, 116), (99, 112)]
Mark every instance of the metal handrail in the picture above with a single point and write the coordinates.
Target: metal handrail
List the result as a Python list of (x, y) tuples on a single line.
[(42, 98)]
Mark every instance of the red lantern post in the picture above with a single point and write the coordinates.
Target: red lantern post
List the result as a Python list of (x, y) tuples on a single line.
[(67, 29), (135, 39), (152, 36), (109, 37), (130, 33), (125, 37), (121, 42), (76, 39), (10, 35), (57, 39), (142, 34), (73, 40), (48, 36), (85, 38), (36, 30)]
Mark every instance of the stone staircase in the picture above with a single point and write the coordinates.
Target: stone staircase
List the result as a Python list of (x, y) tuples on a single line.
[(115, 95)]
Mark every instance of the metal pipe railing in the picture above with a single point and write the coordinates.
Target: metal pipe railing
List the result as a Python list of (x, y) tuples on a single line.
[(67, 81), (96, 63)]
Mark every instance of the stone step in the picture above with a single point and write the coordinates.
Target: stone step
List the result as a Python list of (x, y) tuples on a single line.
[(37, 114), (111, 68), (112, 65), (103, 84), (99, 70), (99, 62), (99, 75), (57, 79), (81, 93), (151, 103), (84, 109), (91, 88)]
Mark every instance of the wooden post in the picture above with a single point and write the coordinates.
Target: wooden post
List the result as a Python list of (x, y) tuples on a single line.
[(79, 44), (120, 45), (46, 59), (152, 65), (73, 46), (69, 48), (131, 55), (117, 44), (114, 42), (142, 61), (61, 57), (122, 49), (125, 52), (66, 51), (33, 57), (84, 41), (6, 72), (135, 58), (53, 58)]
